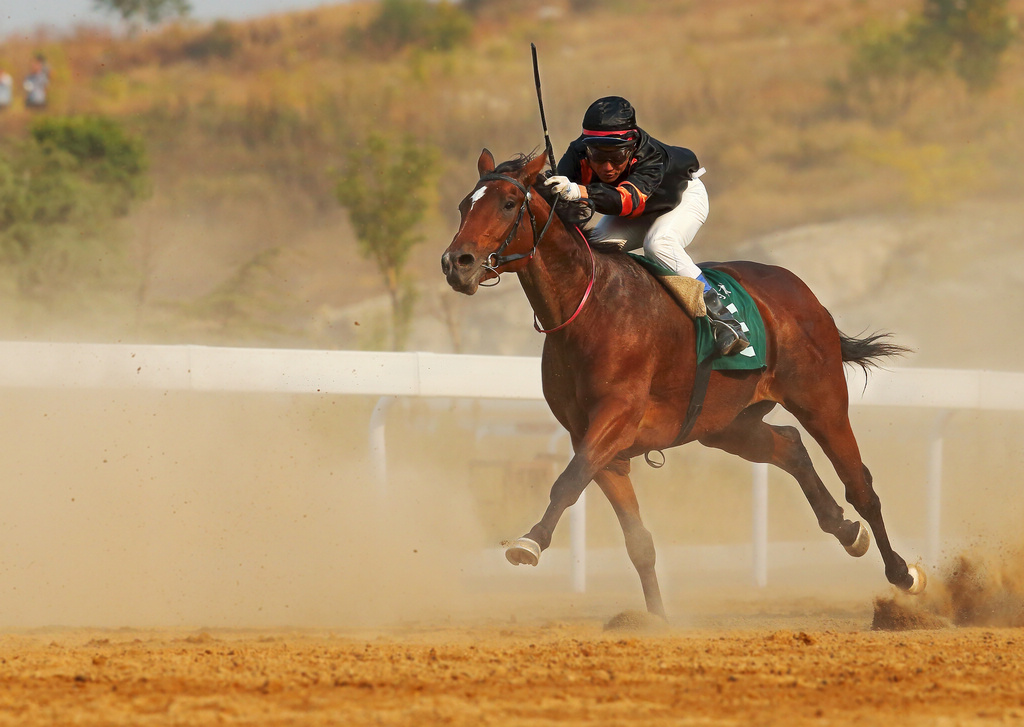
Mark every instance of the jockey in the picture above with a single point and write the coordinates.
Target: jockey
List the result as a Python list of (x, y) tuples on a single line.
[(648, 194)]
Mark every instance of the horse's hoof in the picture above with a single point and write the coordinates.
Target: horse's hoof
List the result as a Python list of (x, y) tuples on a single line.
[(861, 543), (920, 580), (523, 552)]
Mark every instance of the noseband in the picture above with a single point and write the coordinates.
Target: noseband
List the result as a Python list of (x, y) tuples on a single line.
[(495, 260)]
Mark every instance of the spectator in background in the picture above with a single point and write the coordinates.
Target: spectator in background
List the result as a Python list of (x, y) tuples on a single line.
[(36, 83), (6, 89)]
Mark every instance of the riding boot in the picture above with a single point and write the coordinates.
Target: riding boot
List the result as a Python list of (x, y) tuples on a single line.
[(729, 336)]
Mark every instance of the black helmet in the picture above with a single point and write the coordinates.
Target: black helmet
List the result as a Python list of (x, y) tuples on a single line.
[(610, 121)]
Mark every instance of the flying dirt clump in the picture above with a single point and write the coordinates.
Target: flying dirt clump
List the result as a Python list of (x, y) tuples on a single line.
[(977, 589), (893, 615)]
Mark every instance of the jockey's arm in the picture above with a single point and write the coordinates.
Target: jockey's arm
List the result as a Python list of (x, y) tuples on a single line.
[(629, 196)]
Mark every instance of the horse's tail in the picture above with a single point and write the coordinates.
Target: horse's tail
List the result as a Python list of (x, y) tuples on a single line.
[(866, 352)]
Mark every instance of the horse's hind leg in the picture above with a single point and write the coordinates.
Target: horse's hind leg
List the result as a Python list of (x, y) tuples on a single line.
[(615, 484), (830, 427), (757, 441)]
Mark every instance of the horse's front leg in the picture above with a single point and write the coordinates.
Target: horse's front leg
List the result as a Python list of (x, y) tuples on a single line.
[(564, 494), (612, 429)]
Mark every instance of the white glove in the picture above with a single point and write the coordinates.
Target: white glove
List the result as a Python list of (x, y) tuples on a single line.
[(565, 189)]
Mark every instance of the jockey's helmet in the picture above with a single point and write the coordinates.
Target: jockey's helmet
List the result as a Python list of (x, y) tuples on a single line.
[(610, 121)]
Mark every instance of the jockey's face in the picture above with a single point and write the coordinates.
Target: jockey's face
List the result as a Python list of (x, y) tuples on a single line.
[(609, 163), (607, 172)]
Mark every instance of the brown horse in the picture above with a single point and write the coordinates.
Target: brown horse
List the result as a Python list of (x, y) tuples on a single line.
[(619, 368)]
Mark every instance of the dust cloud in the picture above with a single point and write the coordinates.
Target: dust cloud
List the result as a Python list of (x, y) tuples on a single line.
[(172, 509), (982, 587), (166, 509)]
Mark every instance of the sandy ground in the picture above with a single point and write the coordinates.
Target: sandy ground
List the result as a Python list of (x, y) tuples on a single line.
[(172, 534), (564, 672)]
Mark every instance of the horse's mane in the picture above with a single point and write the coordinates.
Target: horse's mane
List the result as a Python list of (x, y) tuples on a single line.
[(516, 164), (572, 214)]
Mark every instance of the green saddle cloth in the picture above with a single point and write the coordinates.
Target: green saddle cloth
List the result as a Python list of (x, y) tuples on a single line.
[(739, 302)]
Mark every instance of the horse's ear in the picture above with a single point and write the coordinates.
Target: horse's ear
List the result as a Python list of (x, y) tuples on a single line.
[(533, 168), (485, 164)]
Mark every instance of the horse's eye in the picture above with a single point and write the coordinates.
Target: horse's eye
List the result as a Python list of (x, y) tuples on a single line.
[(509, 205)]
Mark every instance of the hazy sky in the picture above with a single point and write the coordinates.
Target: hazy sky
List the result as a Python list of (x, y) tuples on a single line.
[(25, 15)]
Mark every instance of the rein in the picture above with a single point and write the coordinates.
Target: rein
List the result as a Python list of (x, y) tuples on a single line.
[(495, 260), (586, 293)]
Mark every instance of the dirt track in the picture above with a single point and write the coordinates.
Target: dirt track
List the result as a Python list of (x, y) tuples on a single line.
[(220, 537), (564, 673)]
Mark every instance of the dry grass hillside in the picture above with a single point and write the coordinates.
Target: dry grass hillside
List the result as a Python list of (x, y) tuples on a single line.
[(908, 223)]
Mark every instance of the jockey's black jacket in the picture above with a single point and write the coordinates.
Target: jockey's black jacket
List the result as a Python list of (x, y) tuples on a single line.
[(653, 183)]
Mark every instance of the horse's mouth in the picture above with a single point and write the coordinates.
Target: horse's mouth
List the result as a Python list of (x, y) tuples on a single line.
[(464, 278), (459, 285)]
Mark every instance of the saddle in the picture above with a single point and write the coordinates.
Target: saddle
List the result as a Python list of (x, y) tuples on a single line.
[(689, 293)]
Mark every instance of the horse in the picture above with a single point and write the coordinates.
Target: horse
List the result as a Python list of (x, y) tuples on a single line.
[(619, 362)]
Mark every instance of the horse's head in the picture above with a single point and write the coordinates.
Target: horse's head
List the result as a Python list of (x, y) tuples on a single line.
[(497, 232)]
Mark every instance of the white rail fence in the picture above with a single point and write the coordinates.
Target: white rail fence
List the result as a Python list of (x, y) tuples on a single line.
[(390, 375)]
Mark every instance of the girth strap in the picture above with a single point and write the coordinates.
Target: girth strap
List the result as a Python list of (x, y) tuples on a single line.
[(701, 377)]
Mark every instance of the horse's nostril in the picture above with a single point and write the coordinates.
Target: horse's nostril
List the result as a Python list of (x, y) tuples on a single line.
[(465, 260)]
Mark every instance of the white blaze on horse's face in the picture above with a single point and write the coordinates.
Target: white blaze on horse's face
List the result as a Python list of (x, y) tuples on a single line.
[(477, 195)]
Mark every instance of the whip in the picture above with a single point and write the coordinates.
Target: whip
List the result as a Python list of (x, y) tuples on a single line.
[(540, 102)]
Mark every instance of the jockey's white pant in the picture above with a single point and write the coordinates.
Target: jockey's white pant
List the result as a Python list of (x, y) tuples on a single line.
[(665, 237)]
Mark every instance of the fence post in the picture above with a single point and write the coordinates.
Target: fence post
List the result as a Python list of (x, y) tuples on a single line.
[(934, 487), (378, 450), (577, 524)]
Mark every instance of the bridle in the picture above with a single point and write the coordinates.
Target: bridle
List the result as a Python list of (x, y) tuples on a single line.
[(495, 260)]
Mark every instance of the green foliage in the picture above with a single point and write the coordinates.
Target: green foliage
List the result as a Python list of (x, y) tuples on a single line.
[(417, 23), (102, 152), (888, 65), (150, 11), (883, 75), (384, 185), (59, 190), (38, 191), (217, 42), (972, 35)]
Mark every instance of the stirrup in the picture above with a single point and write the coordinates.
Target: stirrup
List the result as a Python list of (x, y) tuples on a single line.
[(723, 321), (737, 344), (735, 347)]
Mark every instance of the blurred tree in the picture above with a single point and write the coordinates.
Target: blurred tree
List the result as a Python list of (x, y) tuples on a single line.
[(149, 11), (417, 23), (103, 152), (384, 184), (882, 78), (59, 191), (889, 65), (969, 35), (218, 42)]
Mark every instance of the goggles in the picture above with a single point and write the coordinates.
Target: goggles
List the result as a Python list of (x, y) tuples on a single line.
[(616, 155)]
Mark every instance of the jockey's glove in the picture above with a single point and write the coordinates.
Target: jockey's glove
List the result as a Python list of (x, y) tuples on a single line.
[(567, 190)]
